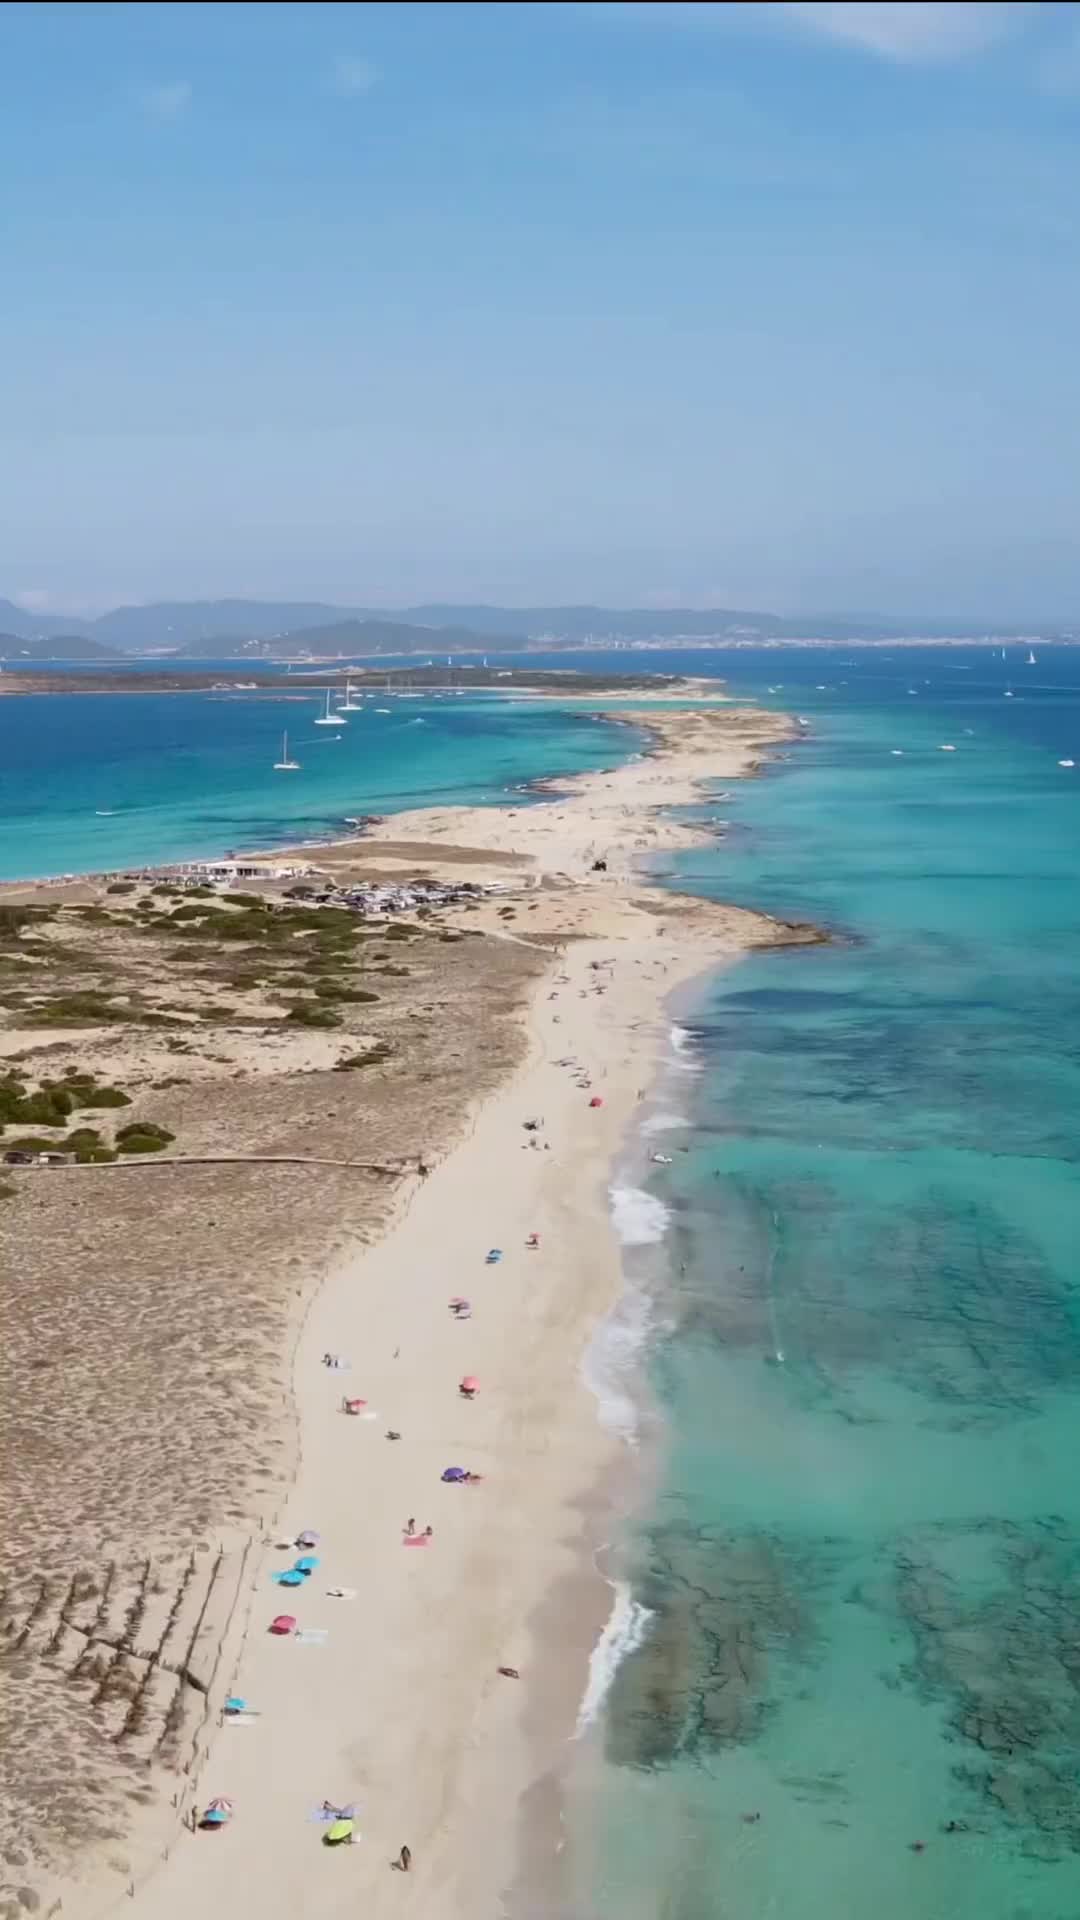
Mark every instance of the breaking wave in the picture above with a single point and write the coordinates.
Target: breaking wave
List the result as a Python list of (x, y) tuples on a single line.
[(626, 1627)]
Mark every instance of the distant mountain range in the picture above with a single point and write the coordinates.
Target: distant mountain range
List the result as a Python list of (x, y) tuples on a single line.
[(63, 646), (204, 629)]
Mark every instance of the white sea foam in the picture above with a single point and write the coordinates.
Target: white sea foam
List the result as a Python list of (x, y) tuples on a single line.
[(639, 1218), (626, 1628), (610, 1362), (682, 1041), (664, 1123)]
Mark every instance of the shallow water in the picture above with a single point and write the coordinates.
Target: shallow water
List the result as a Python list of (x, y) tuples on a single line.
[(89, 782), (863, 1555)]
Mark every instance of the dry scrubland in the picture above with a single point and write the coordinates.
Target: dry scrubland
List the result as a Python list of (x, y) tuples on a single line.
[(146, 1413)]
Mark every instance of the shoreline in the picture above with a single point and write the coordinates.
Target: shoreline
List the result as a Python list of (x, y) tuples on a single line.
[(343, 1720)]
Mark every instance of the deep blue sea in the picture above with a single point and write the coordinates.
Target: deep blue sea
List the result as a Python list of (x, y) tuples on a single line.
[(855, 1577)]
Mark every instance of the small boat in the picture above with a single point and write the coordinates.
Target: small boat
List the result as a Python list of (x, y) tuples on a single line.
[(1008, 693), (1031, 660), (329, 719), (382, 709), (1066, 763), (349, 705), (947, 749), (285, 765)]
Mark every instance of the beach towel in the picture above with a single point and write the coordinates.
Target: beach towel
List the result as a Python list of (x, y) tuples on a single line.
[(415, 1540), (313, 1636)]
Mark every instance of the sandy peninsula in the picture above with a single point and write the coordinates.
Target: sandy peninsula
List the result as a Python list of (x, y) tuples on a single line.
[(390, 1697)]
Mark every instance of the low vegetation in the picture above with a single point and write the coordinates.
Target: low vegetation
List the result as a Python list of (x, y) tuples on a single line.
[(51, 1103)]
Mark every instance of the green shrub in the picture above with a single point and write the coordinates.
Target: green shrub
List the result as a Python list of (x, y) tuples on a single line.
[(49, 1108), (373, 1057), (79, 1009), (7, 1190), (14, 919), (240, 926), (121, 886), (190, 912), (397, 932), (143, 1136), (306, 1013), (245, 900), (91, 1096)]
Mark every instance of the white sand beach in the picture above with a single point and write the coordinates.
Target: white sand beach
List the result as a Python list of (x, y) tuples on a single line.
[(401, 1709)]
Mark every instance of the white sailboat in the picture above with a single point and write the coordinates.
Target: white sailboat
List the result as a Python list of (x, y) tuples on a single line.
[(349, 705), (285, 765), (329, 719), (1031, 660)]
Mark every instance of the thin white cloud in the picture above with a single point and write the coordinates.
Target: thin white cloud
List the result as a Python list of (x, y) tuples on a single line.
[(168, 101), (911, 29), (353, 76), (902, 30)]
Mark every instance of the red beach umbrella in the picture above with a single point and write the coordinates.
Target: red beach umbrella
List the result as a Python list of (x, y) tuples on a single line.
[(596, 1101)]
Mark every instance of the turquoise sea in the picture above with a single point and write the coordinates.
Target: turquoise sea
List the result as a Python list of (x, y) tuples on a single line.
[(853, 1579), (860, 1558), (89, 782)]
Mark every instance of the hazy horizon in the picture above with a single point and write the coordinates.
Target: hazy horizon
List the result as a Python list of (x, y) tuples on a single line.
[(629, 305)]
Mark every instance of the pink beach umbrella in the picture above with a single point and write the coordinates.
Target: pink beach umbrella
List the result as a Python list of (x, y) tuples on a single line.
[(283, 1623), (469, 1386)]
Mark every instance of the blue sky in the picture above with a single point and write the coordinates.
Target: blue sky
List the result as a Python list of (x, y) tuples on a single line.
[(753, 305)]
